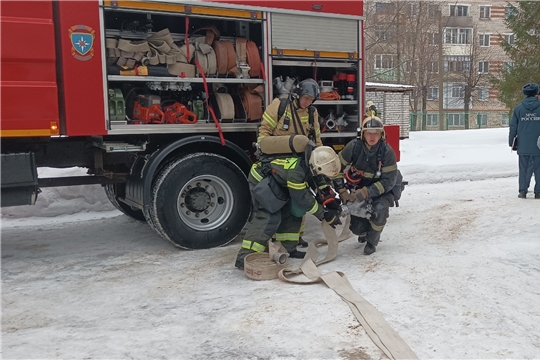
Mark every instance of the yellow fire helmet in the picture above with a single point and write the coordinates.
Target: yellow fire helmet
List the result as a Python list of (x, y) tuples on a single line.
[(373, 124)]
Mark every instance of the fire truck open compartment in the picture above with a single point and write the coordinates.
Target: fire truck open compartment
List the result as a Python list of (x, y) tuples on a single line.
[(137, 93)]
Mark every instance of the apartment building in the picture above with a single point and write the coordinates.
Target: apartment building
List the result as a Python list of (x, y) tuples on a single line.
[(449, 51)]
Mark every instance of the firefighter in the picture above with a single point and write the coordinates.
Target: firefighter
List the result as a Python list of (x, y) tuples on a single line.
[(295, 114), (371, 110), (281, 196), (291, 116), (370, 173)]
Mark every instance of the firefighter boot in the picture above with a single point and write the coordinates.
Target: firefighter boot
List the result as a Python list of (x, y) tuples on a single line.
[(303, 243), (295, 254), (241, 256), (369, 249)]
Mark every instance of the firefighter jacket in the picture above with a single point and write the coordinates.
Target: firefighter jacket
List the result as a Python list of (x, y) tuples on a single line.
[(293, 174), (376, 166), (272, 126)]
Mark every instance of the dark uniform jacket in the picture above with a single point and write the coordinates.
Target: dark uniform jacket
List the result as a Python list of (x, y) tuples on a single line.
[(378, 179), (525, 124), (291, 173)]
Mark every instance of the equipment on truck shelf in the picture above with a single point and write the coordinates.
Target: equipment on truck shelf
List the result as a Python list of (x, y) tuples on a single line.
[(147, 108), (179, 114)]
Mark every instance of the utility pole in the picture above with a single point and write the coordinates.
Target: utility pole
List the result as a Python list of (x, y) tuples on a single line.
[(442, 117)]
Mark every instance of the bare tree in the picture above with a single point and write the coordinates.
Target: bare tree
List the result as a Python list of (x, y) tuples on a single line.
[(402, 47), (470, 71)]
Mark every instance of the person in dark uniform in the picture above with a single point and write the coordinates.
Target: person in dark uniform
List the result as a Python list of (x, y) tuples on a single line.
[(370, 174), (525, 129)]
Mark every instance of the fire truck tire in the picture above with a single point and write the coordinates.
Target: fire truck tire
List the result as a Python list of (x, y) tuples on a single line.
[(200, 201), (111, 192)]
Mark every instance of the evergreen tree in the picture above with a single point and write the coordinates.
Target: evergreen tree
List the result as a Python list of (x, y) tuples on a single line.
[(524, 22)]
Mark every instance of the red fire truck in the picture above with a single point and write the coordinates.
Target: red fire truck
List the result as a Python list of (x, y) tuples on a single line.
[(161, 100)]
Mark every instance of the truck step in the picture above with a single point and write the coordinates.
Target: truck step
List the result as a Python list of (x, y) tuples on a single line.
[(115, 147)]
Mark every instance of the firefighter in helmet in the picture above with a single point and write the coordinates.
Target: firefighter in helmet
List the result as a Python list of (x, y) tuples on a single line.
[(294, 115), (294, 119), (370, 176), (281, 196), (371, 110)]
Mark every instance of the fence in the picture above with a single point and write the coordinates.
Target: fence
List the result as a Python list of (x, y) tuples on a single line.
[(420, 121)]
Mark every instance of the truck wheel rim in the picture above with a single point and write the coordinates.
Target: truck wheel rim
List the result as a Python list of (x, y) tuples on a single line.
[(205, 202)]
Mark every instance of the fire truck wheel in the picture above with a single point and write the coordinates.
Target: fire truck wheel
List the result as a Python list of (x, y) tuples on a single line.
[(200, 201), (112, 193)]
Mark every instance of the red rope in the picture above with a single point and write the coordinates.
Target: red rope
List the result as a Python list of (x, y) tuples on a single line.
[(210, 110)]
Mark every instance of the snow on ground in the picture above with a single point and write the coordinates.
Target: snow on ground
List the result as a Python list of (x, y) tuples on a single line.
[(456, 275)]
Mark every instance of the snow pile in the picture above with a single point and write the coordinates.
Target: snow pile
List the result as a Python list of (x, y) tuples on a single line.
[(62, 200)]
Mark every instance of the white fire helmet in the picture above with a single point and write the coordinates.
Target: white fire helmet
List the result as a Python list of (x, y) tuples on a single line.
[(324, 161)]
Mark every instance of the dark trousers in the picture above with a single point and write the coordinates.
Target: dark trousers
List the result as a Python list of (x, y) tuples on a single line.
[(375, 225), (529, 164)]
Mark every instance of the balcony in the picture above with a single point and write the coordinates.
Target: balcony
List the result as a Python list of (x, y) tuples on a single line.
[(458, 21)]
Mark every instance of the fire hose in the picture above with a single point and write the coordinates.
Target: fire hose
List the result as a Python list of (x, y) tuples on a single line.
[(373, 322)]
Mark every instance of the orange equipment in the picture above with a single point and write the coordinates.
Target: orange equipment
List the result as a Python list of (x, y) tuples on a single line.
[(147, 108), (179, 114)]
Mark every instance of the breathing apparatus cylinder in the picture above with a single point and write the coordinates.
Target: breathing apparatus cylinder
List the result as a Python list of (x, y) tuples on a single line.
[(286, 144)]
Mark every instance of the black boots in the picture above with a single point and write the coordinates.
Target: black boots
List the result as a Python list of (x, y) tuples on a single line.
[(522, 195), (303, 243), (537, 195), (295, 254), (369, 249)]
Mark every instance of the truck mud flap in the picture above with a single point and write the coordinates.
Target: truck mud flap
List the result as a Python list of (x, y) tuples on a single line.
[(19, 179)]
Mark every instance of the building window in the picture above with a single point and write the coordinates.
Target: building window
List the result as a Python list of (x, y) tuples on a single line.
[(483, 67), (458, 91), (432, 120), (384, 8), (384, 61), (507, 66), (457, 63), (509, 11), (483, 93), (456, 119), (457, 36), (509, 39), (505, 120), (433, 38), (459, 10), (412, 9), (383, 32), (433, 10), (482, 119), (433, 93), (485, 12), (433, 67), (484, 40)]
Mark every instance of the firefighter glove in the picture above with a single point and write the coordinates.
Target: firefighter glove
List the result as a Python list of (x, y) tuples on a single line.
[(345, 196), (332, 217), (362, 194)]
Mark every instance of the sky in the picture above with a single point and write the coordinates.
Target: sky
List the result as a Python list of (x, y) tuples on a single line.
[(456, 274)]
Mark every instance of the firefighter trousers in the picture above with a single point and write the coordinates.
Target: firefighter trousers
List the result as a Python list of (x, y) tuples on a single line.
[(374, 226), (263, 225)]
